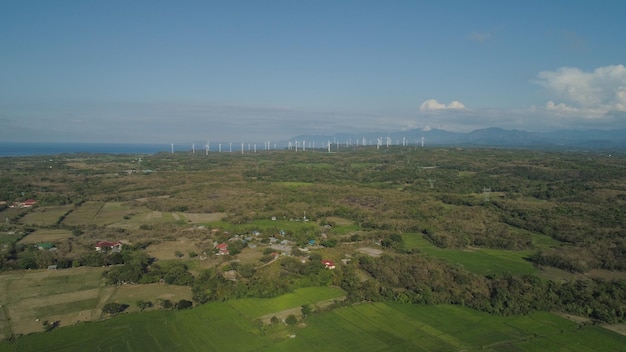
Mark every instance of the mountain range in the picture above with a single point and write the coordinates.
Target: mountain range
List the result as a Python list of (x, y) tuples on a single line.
[(487, 137)]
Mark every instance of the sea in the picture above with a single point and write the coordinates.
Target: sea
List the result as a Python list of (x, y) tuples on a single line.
[(9, 149)]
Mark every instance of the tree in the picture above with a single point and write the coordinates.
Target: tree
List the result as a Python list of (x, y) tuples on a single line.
[(291, 320), (144, 304), (306, 310), (166, 304), (113, 308), (184, 304)]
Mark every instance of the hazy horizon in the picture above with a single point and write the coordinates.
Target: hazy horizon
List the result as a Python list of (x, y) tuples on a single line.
[(161, 72)]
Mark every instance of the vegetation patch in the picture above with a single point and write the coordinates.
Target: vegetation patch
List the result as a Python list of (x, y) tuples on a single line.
[(257, 307), (45, 216), (46, 235), (481, 261)]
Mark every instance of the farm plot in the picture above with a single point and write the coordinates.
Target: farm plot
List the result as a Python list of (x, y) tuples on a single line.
[(211, 327), (112, 212), (167, 250), (65, 295), (83, 215), (130, 294), (401, 327), (482, 261), (46, 235), (45, 216), (258, 307), (197, 218)]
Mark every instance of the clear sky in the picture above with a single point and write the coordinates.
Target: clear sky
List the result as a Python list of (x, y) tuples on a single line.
[(178, 71)]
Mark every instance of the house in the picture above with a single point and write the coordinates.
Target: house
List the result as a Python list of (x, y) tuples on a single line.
[(25, 204), (112, 246), (328, 264), (222, 249)]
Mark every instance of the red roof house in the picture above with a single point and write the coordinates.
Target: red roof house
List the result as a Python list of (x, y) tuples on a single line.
[(117, 246), (29, 202), (222, 249), (328, 264)]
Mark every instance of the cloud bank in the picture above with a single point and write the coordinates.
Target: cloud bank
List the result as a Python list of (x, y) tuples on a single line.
[(433, 104), (603, 89)]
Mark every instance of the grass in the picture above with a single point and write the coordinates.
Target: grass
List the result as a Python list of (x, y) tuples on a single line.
[(221, 326), (84, 214), (45, 216), (46, 235), (49, 295), (257, 307), (482, 261), (294, 184)]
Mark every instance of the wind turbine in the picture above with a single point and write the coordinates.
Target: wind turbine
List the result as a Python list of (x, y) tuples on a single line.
[(172, 148), (206, 148), (193, 148), (422, 141)]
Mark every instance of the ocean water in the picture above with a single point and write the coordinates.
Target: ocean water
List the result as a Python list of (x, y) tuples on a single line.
[(25, 149)]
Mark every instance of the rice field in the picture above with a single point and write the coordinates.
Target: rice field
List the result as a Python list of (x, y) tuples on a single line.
[(482, 261), (227, 326)]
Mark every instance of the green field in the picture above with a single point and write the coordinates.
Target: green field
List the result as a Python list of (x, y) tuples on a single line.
[(483, 261), (256, 307), (399, 327), (84, 214), (219, 326), (45, 216)]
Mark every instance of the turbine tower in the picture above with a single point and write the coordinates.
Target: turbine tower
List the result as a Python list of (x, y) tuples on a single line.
[(172, 148)]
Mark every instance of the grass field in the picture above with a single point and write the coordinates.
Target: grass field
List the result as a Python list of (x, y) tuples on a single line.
[(481, 261), (398, 327), (68, 296), (45, 216), (219, 326), (64, 295), (46, 235), (257, 307), (84, 214)]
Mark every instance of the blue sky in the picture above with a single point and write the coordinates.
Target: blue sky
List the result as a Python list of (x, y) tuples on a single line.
[(178, 71)]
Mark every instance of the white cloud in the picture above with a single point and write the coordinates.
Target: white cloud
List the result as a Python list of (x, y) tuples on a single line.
[(601, 89), (550, 105), (433, 104)]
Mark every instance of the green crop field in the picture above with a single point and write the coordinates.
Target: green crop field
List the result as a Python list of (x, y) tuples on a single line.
[(46, 235), (481, 261), (45, 216), (399, 327), (257, 307), (84, 214), (219, 326)]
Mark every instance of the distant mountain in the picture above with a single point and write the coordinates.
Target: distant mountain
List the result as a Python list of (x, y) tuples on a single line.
[(487, 137)]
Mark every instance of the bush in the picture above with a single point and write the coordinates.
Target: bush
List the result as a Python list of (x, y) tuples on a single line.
[(114, 308), (291, 320), (184, 304)]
